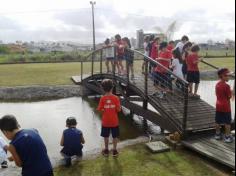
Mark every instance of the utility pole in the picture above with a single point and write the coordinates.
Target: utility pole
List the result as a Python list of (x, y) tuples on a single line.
[(93, 3)]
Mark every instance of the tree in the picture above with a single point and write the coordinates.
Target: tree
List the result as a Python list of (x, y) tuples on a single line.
[(169, 32)]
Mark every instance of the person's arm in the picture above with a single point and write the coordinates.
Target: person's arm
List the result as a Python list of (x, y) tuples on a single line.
[(82, 139), (15, 157), (229, 92), (62, 140), (100, 106), (184, 56)]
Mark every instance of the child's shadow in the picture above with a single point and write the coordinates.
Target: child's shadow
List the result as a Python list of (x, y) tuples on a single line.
[(111, 167)]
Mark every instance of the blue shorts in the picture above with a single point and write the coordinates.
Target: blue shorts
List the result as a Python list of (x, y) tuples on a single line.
[(106, 131), (223, 118), (120, 57), (193, 77), (110, 58)]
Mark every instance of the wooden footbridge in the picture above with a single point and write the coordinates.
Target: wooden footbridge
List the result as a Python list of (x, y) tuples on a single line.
[(176, 111)]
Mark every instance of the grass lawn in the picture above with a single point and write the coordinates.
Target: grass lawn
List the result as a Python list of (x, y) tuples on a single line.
[(60, 73), (138, 161)]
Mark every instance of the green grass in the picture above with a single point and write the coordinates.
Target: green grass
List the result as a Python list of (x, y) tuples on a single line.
[(60, 73), (138, 161)]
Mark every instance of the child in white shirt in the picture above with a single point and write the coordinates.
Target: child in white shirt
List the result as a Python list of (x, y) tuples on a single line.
[(3, 153)]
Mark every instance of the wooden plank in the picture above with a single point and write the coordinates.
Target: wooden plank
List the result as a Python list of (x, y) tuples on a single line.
[(213, 153)]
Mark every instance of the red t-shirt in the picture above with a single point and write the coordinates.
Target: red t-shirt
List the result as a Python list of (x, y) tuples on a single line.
[(223, 94), (192, 63), (120, 50), (170, 48), (167, 56), (154, 50), (110, 106)]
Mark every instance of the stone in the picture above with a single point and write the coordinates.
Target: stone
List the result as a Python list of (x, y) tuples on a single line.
[(158, 147)]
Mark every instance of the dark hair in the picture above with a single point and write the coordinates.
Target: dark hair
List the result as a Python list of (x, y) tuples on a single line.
[(128, 41), (171, 42), (163, 45), (107, 41), (117, 37), (222, 71), (9, 123), (147, 38), (151, 37), (195, 48), (185, 38), (71, 121), (156, 38), (176, 53), (187, 45), (107, 85)]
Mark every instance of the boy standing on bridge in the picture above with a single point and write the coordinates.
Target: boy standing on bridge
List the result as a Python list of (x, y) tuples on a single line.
[(193, 74), (223, 106), (110, 106)]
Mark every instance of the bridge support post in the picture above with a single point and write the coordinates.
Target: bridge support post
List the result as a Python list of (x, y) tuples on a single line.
[(185, 117)]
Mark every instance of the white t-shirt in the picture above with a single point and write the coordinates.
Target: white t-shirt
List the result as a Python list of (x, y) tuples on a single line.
[(3, 155), (146, 52), (109, 52), (180, 45), (177, 68)]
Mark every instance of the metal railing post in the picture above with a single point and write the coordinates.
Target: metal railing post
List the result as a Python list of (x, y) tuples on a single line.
[(101, 57), (185, 117), (127, 70), (114, 63), (145, 103), (82, 70), (92, 71)]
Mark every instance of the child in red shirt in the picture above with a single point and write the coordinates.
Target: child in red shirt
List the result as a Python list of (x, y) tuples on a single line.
[(223, 106), (193, 74), (110, 106), (162, 77)]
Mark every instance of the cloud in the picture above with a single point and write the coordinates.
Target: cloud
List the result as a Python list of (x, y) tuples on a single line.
[(8, 24)]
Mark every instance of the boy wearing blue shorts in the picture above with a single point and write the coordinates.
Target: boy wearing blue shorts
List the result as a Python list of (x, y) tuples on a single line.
[(223, 106)]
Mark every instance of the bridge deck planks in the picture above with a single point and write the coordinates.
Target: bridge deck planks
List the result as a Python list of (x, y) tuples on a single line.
[(217, 150)]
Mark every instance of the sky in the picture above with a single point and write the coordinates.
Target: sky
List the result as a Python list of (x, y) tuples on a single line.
[(71, 20)]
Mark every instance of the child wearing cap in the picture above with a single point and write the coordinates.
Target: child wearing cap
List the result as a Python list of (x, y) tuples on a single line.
[(223, 106), (72, 141)]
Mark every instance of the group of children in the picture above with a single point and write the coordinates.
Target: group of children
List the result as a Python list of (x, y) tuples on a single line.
[(116, 52), (29, 152), (182, 59)]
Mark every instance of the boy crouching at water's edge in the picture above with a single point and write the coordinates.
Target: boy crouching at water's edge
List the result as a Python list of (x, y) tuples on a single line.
[(72, 141), (110, 106), (27, 148)]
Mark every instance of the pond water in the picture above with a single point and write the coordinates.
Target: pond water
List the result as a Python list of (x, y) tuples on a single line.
[(49, 117)]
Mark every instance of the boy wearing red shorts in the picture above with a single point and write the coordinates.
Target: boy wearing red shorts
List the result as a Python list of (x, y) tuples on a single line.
[(110, 106)]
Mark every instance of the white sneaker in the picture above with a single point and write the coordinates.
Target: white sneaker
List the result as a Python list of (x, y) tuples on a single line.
[(228, 139), (218, 137)]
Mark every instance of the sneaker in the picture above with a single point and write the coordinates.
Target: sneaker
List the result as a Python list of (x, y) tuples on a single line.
[(68, 162), (105, 152), (115, 153), (218, 137), (4, 165), (228, 139)]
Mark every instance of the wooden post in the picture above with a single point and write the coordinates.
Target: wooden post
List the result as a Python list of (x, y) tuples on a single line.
[(145, 103)]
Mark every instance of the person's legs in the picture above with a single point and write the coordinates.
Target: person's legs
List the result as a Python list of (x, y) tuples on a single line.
[(106, 142), (227, 130), (115, 141), (196, 89), (67, 159), (115, 134), (191, 88)]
